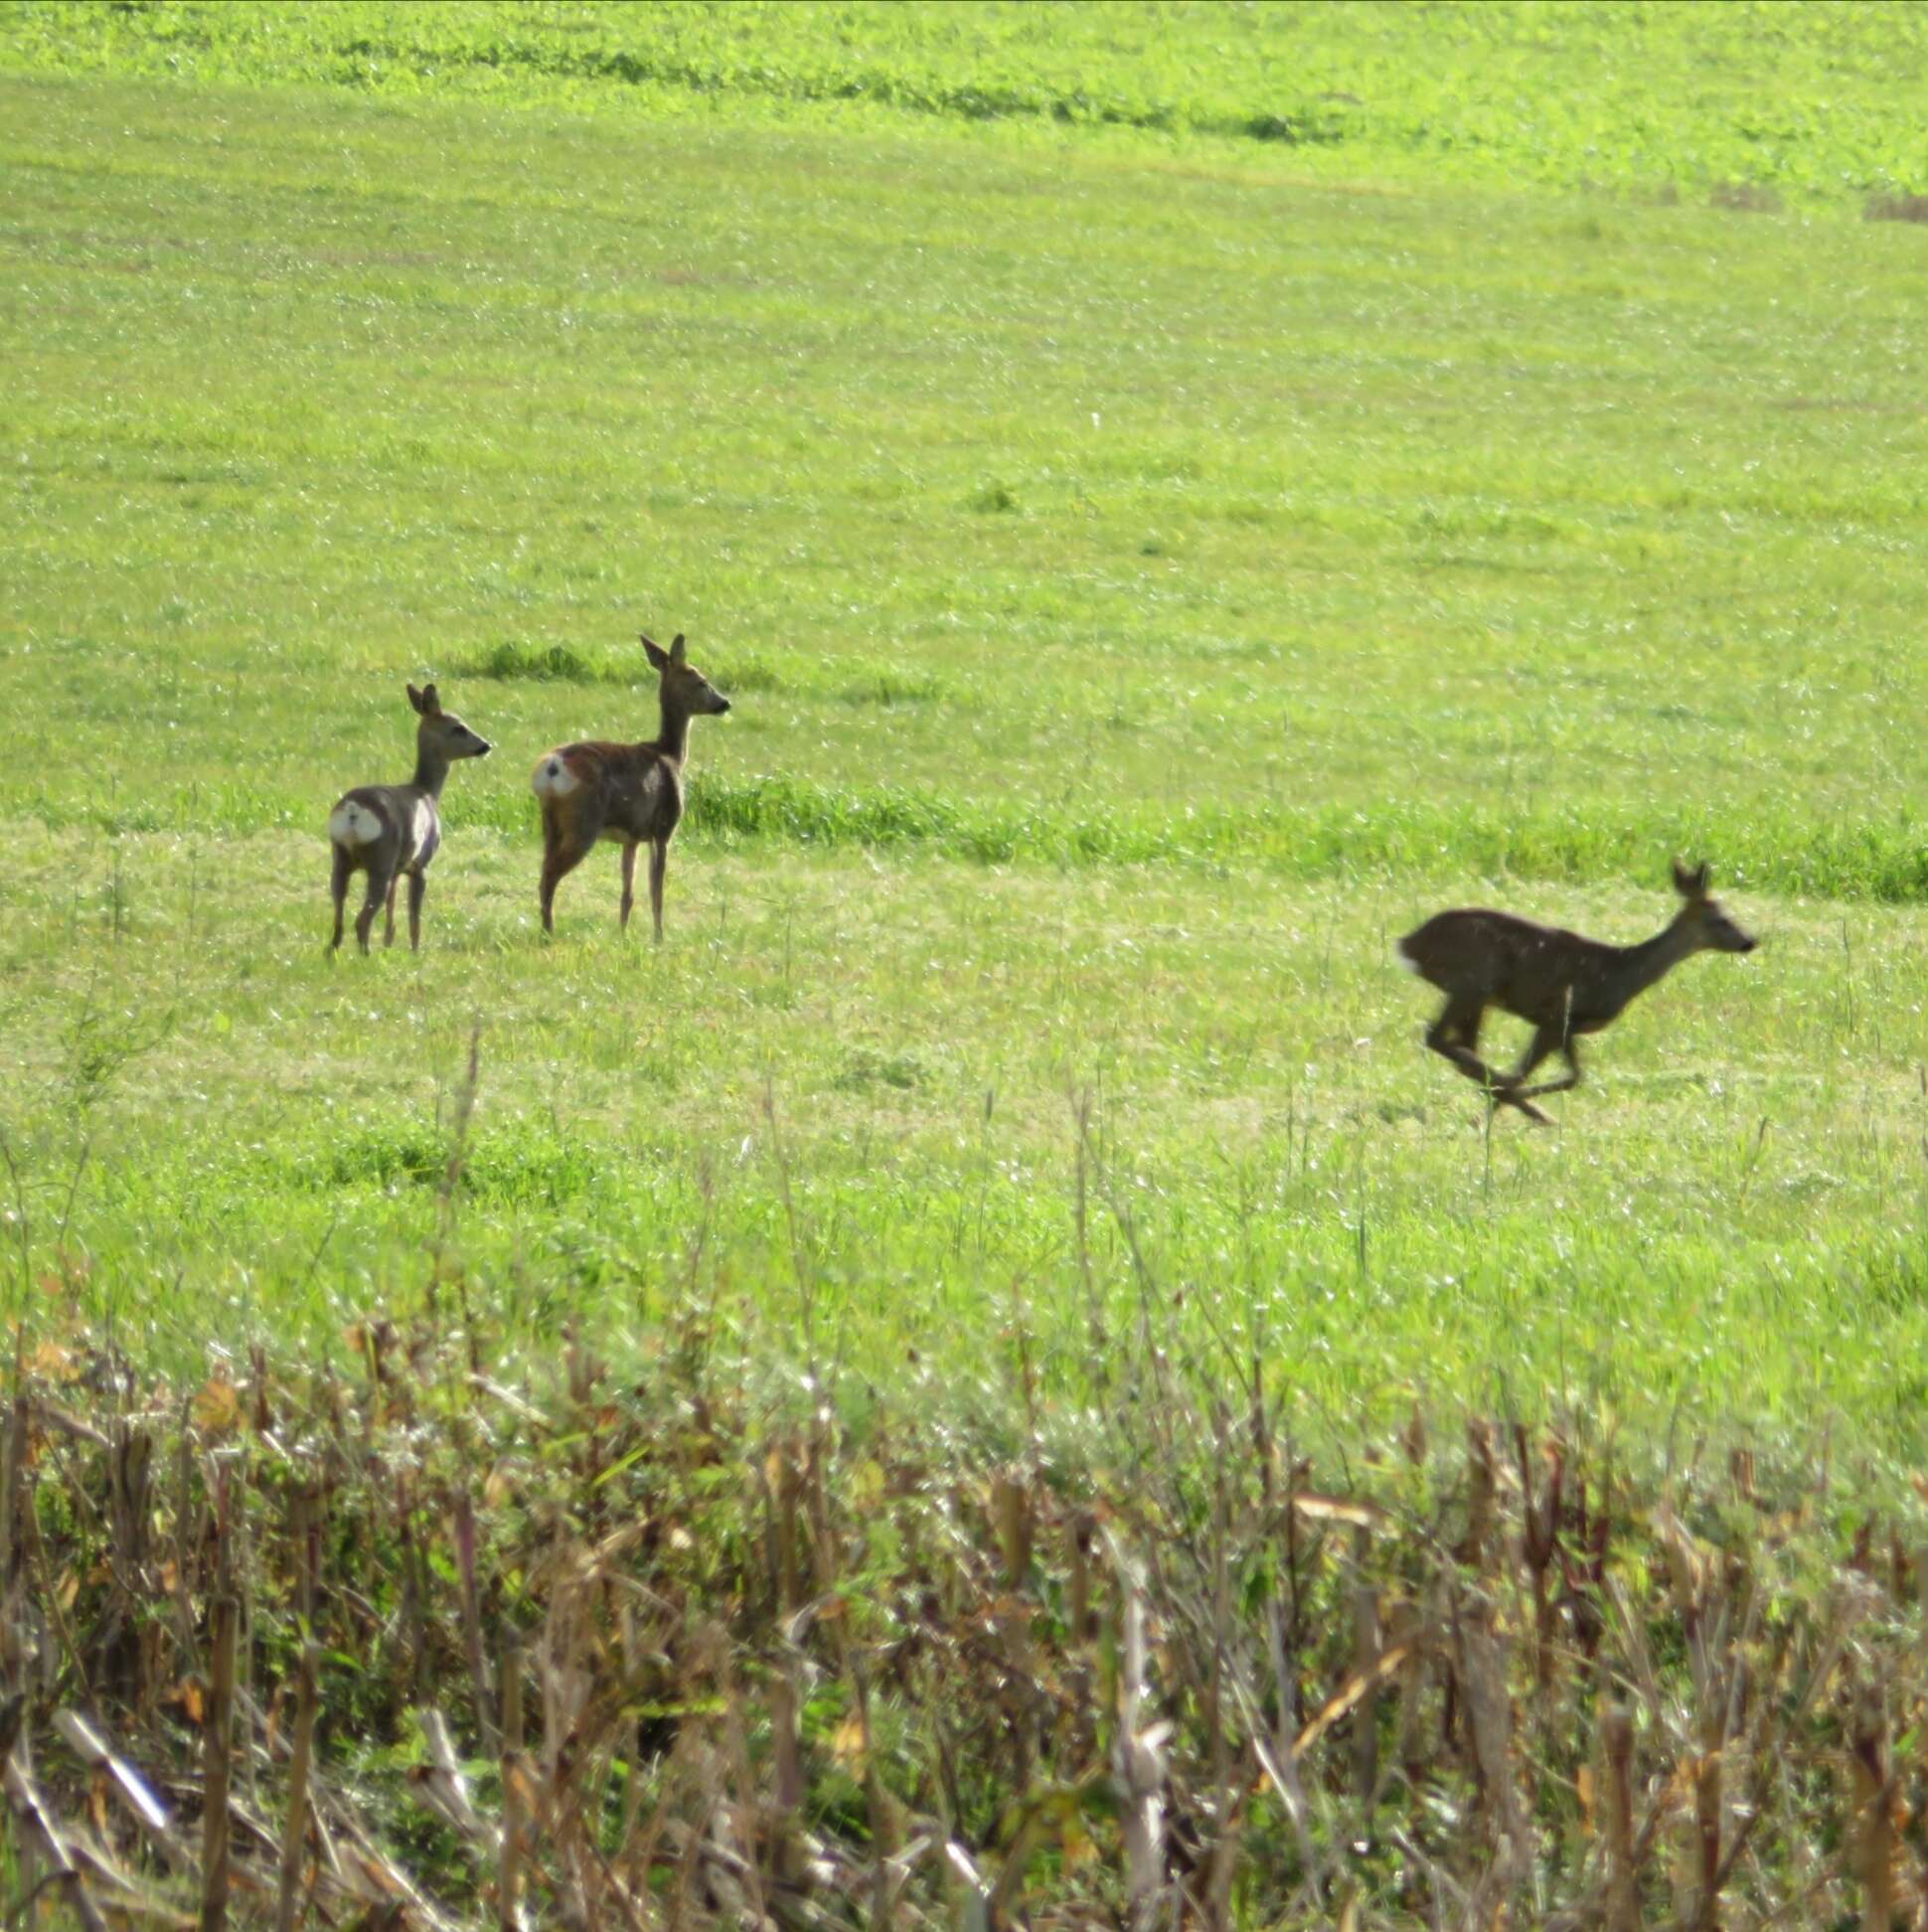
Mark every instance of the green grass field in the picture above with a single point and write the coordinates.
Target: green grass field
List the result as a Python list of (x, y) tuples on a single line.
[(1155, 560)]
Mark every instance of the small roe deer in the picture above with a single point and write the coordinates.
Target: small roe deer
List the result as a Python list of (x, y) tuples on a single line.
[(1562, 984), (388, 829), (630, 793)]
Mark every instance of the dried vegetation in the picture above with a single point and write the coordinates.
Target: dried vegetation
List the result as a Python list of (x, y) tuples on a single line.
[(391, 1643)]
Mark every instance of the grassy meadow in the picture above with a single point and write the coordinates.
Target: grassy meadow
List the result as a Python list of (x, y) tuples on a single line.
[(1155, 560)]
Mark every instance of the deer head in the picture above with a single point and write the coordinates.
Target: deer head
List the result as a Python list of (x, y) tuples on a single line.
[(441, 732), (685, 688), (1705, 917)]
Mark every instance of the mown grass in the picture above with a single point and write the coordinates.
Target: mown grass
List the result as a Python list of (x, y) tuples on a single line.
[(864, 1097), (1732, 99), (1150, 581)]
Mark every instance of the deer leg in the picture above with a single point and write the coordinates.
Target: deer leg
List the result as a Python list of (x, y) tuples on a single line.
[(418, 885), (1454, 1034), (562, 854), (388, 931), (628, 882), (338, 885), (659, 861), (378, 883), (1544, 1042)]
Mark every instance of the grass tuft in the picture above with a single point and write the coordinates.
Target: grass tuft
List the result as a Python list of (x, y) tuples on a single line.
[(542, 664)]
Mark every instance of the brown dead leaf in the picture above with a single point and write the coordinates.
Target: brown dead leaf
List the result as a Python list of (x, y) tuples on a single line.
[(850, 1747), (1348, 1694), (217, 1408), (1337, 1508), (57, 1363)]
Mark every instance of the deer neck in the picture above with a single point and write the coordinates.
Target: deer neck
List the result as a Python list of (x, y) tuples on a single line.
[(673, 740), (1639, 967), (431, 769)]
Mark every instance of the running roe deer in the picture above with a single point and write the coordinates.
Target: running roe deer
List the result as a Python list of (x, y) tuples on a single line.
[(630, 793), (1561, 982), (388, 829)]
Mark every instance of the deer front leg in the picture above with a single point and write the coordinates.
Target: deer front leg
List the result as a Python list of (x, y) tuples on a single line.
[(659, 861), (417, 885), (388, 931), (338, 885), (1548, 1039), (628, 883), (1453, 1036)]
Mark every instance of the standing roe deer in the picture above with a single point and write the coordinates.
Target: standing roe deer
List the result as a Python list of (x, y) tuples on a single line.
[(1563, 984), (388, 830), (626, 792)]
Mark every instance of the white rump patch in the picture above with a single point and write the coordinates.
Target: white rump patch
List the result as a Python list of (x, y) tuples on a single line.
[(1405, 958), (350, 824), (553, 779)]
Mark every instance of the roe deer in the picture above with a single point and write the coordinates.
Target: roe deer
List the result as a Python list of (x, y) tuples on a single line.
[(630, 793), (388, 829), (1562, 984)]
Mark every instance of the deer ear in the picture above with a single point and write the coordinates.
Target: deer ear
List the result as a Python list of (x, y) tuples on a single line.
[(1703, 878), (431, 703), (677, 654), (657, 655), (417, 699)]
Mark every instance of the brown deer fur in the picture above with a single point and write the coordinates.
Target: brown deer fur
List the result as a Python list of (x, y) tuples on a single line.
[(630, 793), (388, 830), (1562, 984)]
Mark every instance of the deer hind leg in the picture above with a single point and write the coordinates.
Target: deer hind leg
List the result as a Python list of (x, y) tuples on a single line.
[(1454, 1036), (338, 887), (565, 847), (388, 929), (628, 883), (380, 883), (417, 885), (659, 864)]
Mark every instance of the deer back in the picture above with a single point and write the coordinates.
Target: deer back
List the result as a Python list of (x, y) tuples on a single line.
[(629, 791), (1473, 952)]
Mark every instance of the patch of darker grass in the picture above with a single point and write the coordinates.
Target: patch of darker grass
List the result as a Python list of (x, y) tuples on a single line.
[(996, 500), (539, 663), (889, 687), (514, 1170), (1745, 198), (752, 675), (1896, 207), (865, 1068)]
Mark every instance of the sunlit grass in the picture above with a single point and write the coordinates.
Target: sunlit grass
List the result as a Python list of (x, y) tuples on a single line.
[(1146, 589), (919, 1058)]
